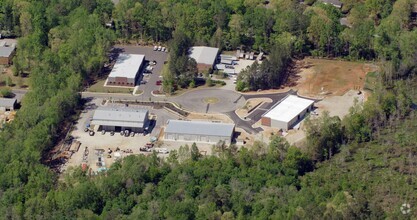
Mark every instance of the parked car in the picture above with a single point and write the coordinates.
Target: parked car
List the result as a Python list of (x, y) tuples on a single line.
[(163, 151), (155, 48), (163, 49), (159, 82), (132, 134), (111, 133), (145, 149), (159, 48), (127, 133), (103, 132)]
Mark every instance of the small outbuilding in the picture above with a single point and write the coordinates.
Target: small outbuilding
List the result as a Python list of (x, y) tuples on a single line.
[(126, 70), (7, 104), (335, 3), (204, 56), (121, 118), (7, 51), (227, 59), (199, 131), (286, 113)]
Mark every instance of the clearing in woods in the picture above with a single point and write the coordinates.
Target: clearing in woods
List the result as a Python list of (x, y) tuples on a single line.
[(321, 77)]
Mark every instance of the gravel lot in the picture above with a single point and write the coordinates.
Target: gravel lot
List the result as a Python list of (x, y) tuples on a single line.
[(106, 141)]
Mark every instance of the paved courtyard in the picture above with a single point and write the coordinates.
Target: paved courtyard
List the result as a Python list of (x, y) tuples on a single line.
[(210, 100)]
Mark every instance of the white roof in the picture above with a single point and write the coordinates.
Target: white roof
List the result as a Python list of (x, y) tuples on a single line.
[(127, 65), (204, 55), (289, 108), (6, 102), (6, 49)]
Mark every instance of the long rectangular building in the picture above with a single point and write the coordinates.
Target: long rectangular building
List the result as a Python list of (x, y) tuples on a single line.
[(199, 131), (287, 112), (120, 119), (126, 70)]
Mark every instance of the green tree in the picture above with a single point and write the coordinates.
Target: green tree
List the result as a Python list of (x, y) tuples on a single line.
[(195, 152), (324, 136)]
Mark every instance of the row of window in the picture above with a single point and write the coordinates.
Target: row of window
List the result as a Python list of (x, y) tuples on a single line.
[(120, 83)]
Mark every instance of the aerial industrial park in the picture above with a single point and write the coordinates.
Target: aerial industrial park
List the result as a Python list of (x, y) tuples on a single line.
[(208, 109), (143, 120)]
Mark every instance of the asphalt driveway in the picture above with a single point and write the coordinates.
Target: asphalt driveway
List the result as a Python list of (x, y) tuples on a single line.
[(150, 55)]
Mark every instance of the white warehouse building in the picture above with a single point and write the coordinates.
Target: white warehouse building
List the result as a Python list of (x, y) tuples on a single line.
[(126, 70), (199, 131), (287, 112)]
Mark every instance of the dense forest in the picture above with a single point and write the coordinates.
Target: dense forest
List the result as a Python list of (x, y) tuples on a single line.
[(359, 167)]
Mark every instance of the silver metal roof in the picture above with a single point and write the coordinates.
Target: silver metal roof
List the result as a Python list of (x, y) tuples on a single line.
[(199, 128), (5, 102), (120, 116), (204, 55), (6, 51)]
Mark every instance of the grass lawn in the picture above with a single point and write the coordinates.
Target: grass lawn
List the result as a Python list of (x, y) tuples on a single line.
[(16, 82), (98, 86), (370, 81), (181, 91)]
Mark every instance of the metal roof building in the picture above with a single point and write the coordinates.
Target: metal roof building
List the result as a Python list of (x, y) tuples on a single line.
[(7, 104), (120, 119), (199, 131), (287, 112), (204, 56), (125, 71), (6, 52)]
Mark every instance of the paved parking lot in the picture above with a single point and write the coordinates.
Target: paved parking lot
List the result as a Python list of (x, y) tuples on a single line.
[(150, 55)]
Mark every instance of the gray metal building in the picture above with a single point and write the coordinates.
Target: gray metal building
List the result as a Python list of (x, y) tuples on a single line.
[(7, 104), (120, 119), (199, 131)]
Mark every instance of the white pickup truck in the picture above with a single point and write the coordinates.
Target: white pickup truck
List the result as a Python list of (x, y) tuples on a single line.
[(162, 150)]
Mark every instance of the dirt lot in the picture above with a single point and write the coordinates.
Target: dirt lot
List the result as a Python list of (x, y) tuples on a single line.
[(321, 77), (339, 105), (209, 117), (106, 141)]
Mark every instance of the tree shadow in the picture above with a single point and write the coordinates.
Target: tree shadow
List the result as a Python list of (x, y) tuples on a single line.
[(294, 71)]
